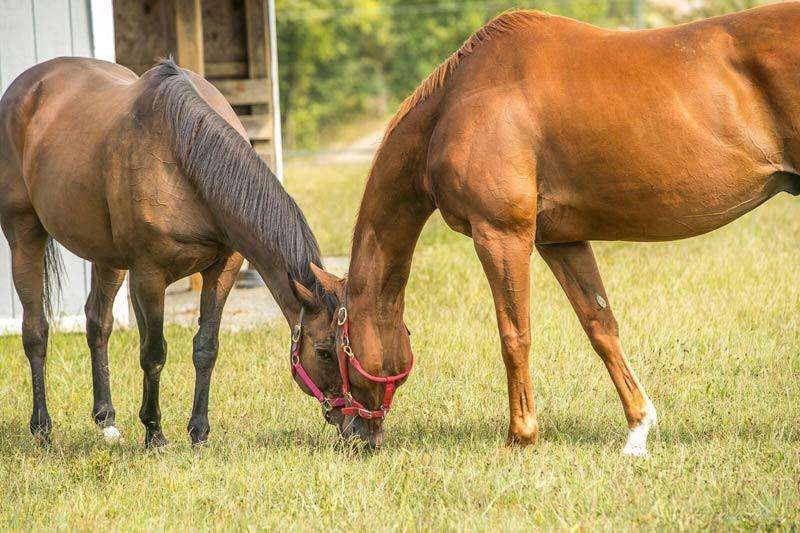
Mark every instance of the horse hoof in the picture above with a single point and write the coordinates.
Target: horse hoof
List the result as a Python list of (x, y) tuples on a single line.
[(521, 437), (40, 426), (112, 435), (198, 431), (42, 437), (635, 451), (637, 436), (155, 439)]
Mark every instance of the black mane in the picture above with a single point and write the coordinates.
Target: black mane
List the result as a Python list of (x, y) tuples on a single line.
[(229, 174)]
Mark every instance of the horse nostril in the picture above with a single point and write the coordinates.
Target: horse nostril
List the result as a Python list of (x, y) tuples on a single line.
[(376, 439)]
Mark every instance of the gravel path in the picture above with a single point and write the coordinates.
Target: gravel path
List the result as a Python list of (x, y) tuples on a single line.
[(245, 308)]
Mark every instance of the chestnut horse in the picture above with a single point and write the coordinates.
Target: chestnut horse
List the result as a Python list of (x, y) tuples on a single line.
[(153, 175), (544, 131)]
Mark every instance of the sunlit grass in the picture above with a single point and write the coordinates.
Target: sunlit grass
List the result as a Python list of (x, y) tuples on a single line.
[(711, 325)]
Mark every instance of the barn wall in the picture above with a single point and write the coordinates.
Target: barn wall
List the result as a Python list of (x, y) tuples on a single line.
[(32, 31)]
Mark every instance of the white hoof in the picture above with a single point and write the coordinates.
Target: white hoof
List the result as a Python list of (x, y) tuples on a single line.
[(112, 434), (637, 437), (635, 451)]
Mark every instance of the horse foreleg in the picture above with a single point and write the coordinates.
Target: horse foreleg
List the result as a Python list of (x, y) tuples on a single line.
[(147, 290), (505, 257), (99, 323), (576, 270), (217, 283)]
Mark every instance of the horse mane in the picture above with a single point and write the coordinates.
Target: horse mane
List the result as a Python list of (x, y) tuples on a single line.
[(503, 23), (230, 176)]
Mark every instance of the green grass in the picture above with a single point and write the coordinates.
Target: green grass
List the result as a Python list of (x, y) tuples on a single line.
[(711, 325)]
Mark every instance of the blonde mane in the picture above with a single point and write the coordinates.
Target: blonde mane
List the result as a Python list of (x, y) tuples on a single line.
[(503, 23)]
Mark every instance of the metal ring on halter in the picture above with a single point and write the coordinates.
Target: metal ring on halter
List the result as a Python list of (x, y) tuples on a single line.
[(348, 351), (342, 316), (326, 405), (296, 333)]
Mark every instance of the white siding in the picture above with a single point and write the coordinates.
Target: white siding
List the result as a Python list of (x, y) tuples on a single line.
[(32, 31)]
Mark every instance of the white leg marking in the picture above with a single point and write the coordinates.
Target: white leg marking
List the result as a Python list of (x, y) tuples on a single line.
[(637, 437), (111, 434)]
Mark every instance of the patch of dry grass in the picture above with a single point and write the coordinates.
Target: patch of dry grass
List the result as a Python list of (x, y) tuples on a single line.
[(711, 325)]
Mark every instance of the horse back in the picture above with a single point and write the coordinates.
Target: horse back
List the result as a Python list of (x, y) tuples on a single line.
[(636, 135), (76, 134)]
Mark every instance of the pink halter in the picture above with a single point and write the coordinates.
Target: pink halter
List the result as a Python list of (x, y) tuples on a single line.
[(349, 405), (299, 371)]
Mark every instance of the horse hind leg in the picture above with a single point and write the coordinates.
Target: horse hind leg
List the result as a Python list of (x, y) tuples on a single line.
[(576, 270), (28, 241), (99, 323)]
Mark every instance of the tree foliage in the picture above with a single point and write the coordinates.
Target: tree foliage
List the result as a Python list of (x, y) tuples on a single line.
[(340, 59)]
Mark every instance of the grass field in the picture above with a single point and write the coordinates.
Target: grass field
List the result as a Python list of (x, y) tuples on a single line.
[(711, 325)]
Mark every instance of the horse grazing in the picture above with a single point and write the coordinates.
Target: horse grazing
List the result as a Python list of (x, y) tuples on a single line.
[(153, 175), (544, 131)]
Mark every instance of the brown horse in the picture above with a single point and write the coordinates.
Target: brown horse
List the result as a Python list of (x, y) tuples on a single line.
[(153, 175), (546, 131)]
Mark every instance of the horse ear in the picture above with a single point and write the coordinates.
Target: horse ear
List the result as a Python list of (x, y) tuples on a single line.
[(331, 283), (303, 294)]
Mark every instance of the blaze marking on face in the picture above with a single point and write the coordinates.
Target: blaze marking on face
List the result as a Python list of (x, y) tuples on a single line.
[(600, 301)]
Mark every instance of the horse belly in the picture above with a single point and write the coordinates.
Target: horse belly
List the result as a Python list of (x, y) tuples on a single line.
[(57, 188), (651, 210)]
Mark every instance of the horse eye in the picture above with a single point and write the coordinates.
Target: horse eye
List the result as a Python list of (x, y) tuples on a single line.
[(325, 355)]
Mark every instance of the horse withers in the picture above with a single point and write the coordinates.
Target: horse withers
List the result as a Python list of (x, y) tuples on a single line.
[(545, 132), (154, 175)]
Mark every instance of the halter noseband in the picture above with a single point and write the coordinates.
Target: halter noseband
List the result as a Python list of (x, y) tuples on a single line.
[(349, 405)]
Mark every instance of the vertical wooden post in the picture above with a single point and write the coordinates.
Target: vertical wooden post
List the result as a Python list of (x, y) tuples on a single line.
[(189, 35), (189, 55), (258, 61)]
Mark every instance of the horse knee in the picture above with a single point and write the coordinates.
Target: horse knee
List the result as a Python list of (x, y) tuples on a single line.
[(515, 345), (204, 354), (153, 357), (97, 330), (34, 337)]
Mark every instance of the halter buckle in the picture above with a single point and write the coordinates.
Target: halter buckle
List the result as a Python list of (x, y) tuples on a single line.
[(342, 317), (326, 406), (296, 331)]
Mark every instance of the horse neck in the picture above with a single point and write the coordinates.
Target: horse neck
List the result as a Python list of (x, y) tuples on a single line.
[(393, 211), (270, 267)]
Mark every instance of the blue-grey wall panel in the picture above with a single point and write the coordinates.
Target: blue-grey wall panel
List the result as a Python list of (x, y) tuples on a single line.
[(73, 295), (17, 40), (6, 289), (80, 23), (52, 28), (32, 31)]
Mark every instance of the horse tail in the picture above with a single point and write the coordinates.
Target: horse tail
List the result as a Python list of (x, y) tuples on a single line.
[(53, 276)]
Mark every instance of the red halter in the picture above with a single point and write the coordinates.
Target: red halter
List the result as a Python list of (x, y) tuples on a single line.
[(346, 359)]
